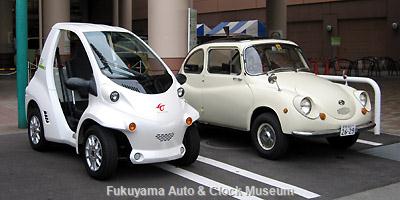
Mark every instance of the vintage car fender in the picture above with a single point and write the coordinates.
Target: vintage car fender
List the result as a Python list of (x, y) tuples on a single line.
[(267, 96)]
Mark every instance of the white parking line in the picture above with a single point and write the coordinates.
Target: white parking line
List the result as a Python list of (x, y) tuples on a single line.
[(299, 191), (369, 142), (207, 182)]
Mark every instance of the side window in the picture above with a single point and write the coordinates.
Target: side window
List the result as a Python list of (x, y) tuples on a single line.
[(194, 64), (71, 56), (224, 61)]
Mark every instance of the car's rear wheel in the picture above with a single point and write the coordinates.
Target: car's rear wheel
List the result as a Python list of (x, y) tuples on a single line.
[(343, 142), (191, 141), (100, 153), (267, 136), (36, 131)]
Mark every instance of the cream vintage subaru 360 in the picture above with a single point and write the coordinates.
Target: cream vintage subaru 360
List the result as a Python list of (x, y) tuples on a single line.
[(264, 86)]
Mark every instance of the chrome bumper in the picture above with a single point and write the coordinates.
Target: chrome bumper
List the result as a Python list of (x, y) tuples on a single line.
[(332, 132)]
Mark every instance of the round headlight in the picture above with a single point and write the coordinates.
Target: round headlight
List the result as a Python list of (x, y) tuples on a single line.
[(363, 99), (181, 92), (305, 106), (114, 96)]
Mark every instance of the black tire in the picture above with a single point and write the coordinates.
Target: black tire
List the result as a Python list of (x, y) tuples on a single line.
[(276, 147), (36, 136), (343, 142), (109, 152), (191, 141)]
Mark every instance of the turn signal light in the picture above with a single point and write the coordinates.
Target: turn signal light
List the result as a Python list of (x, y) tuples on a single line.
[(322, 116), (132, 127), (285, 110), (364, 111), (189, 121)]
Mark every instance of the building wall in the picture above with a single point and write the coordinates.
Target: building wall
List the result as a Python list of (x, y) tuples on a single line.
[(363, 25)]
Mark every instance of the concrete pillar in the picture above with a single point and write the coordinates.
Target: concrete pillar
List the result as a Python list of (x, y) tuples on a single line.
[(6, 21), (125, 14), (167, 30), (277, 18), (54, 11), (115, 12)]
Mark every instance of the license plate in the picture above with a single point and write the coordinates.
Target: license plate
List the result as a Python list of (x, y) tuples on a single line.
[(347, 130)]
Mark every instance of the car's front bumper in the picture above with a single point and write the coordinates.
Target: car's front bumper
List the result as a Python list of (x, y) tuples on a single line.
[(331, 132), (155, 156)]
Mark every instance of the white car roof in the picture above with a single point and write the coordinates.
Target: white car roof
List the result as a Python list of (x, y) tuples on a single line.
[(244, 43), (86, 27)]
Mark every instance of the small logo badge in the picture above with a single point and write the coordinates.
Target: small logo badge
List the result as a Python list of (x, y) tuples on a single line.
[(341, 102), (161, 107)]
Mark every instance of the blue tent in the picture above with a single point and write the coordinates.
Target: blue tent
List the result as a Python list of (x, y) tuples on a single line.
[(253, 27), (202, 30)]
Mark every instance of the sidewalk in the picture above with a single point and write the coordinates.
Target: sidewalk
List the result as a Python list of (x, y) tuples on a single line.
[(8, 106), (390, 87)]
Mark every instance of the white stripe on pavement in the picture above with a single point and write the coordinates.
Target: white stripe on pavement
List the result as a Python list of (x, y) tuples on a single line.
[(299, 191), (207, 182), (369, 142)]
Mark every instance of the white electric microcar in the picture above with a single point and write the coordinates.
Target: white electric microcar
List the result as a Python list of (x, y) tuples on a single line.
[(102, 90), (264, 86)]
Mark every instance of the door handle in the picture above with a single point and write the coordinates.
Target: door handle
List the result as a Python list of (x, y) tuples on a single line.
[(237, 79)]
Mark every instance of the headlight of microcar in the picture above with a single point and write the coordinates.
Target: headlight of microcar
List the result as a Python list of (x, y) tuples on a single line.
[(363, 98), (305, 106), (114, 96)]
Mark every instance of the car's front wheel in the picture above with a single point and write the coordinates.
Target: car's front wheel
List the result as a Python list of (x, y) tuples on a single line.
[(267, 136), (100, 153), (191, 141), (36, 131), (343, 142)]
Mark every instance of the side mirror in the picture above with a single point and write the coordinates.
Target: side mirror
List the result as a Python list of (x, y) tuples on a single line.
[(82, 86), (181, 78), (272, 79)]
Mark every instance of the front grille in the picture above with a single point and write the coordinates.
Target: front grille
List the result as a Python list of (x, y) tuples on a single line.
[(165, 137)]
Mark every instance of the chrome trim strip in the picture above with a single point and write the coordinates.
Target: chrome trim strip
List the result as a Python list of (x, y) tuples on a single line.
[(332, 131)]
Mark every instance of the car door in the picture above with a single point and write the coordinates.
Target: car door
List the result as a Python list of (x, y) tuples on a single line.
[(226, 96), (71, 60), (193, 69)]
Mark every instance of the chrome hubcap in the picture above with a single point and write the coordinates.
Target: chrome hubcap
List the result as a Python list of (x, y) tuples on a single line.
[(266, 136), (34, 129), (93, 152)]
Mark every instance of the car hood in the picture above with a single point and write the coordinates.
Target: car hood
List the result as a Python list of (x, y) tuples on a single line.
[(324, 93)]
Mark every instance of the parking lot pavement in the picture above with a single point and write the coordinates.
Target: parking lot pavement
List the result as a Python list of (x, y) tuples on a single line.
[(312, 169)]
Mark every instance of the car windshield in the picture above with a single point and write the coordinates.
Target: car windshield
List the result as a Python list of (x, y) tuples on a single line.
[(127, 61), (263, 58)]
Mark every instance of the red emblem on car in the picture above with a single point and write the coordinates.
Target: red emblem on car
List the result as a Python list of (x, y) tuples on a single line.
[(161, 107)]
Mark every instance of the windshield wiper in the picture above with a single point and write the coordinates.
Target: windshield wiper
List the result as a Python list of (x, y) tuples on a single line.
[(107, 64), (102, 59)]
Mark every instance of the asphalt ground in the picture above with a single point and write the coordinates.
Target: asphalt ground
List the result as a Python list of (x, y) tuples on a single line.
[(311, 168)]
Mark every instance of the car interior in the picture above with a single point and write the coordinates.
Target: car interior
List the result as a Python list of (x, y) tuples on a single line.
[(74, 63)]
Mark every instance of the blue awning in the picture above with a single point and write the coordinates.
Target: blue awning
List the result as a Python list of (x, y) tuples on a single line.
[(202, 30), (253, 27)]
